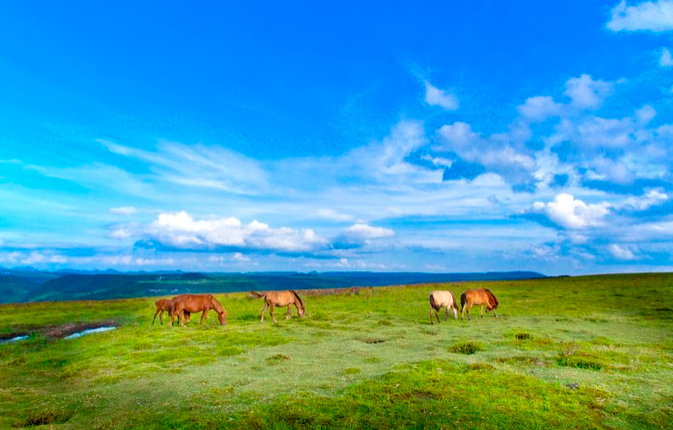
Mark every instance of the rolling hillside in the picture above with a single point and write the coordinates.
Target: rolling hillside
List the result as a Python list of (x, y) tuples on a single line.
[(23, 287)]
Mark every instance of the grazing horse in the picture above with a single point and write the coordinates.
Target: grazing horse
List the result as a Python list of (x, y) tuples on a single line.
[(185, 304), (281, 299), (443, 299), (165, 305), (481, 297)]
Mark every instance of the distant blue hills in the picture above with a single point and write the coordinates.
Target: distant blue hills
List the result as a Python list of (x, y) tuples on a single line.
[(26, 284)]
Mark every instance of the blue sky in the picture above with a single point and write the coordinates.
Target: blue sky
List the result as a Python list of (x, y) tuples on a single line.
[(433, 136)]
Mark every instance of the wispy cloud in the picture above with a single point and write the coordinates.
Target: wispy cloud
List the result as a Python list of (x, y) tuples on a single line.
[(123, 210), (199, 166)]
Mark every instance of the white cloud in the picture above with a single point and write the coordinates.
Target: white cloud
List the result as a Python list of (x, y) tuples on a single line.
[(42, 258), (665, 60), (496, 153), (123, 210), (122, 233), (459, 135), (436, 97), (367, 232), (645, 114), (573, 214), (656, 16), (540, 108), (386, 160), (183, 231), (650, 199), (587, 93)]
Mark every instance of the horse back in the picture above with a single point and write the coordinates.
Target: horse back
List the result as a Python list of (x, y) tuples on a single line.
[(164, 304), (280, 298), (442, 298), (193, 302)]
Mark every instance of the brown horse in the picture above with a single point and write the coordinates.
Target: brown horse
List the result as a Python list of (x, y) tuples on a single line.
[(281, 299), (189, 303), (166, 305), (481, 297), (443, 299)]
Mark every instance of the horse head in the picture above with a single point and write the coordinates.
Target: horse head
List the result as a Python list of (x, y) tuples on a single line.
[(492, 301), (301, 310), (222, 316), (221, 312)]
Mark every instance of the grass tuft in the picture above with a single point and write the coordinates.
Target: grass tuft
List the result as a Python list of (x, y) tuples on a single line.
[(44, 418), (479, 367), (277, 359), (467, 348)]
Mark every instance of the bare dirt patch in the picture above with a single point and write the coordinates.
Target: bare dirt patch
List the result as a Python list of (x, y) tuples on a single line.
[(63, 330)]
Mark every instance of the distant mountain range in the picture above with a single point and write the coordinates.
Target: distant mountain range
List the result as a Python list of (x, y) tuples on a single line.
[(26, 284)]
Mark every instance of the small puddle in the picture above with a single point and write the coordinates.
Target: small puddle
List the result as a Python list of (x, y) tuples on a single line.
[(14, 339), (89, 331)]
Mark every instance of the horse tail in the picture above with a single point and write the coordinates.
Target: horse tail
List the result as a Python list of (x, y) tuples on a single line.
[(257, 295), (463, 300), (298, 298), (433, 303)]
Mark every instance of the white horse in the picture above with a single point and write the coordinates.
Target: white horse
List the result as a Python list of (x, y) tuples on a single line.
[(443, 299)]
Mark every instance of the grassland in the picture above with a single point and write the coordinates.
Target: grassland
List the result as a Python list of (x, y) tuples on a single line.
[(585, 352)]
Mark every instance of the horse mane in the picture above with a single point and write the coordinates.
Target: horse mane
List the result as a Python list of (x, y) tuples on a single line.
[(493, 297), (216, 304), (297, 297)]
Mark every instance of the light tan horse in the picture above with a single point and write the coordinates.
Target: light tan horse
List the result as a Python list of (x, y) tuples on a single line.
[(165, 305), (189, 303), (281, 299), (442, 299), (481, 297)]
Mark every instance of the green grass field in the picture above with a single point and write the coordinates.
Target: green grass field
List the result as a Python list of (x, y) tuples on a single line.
[(585, 352)]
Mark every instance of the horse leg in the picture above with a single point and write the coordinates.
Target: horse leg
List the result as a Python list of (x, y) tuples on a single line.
[(481, 309), (181, 318), (469, 306), (289, 312), (204, 316), (446, 314), (266, 305), (431, 321), (271, 306), (155, 317)]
